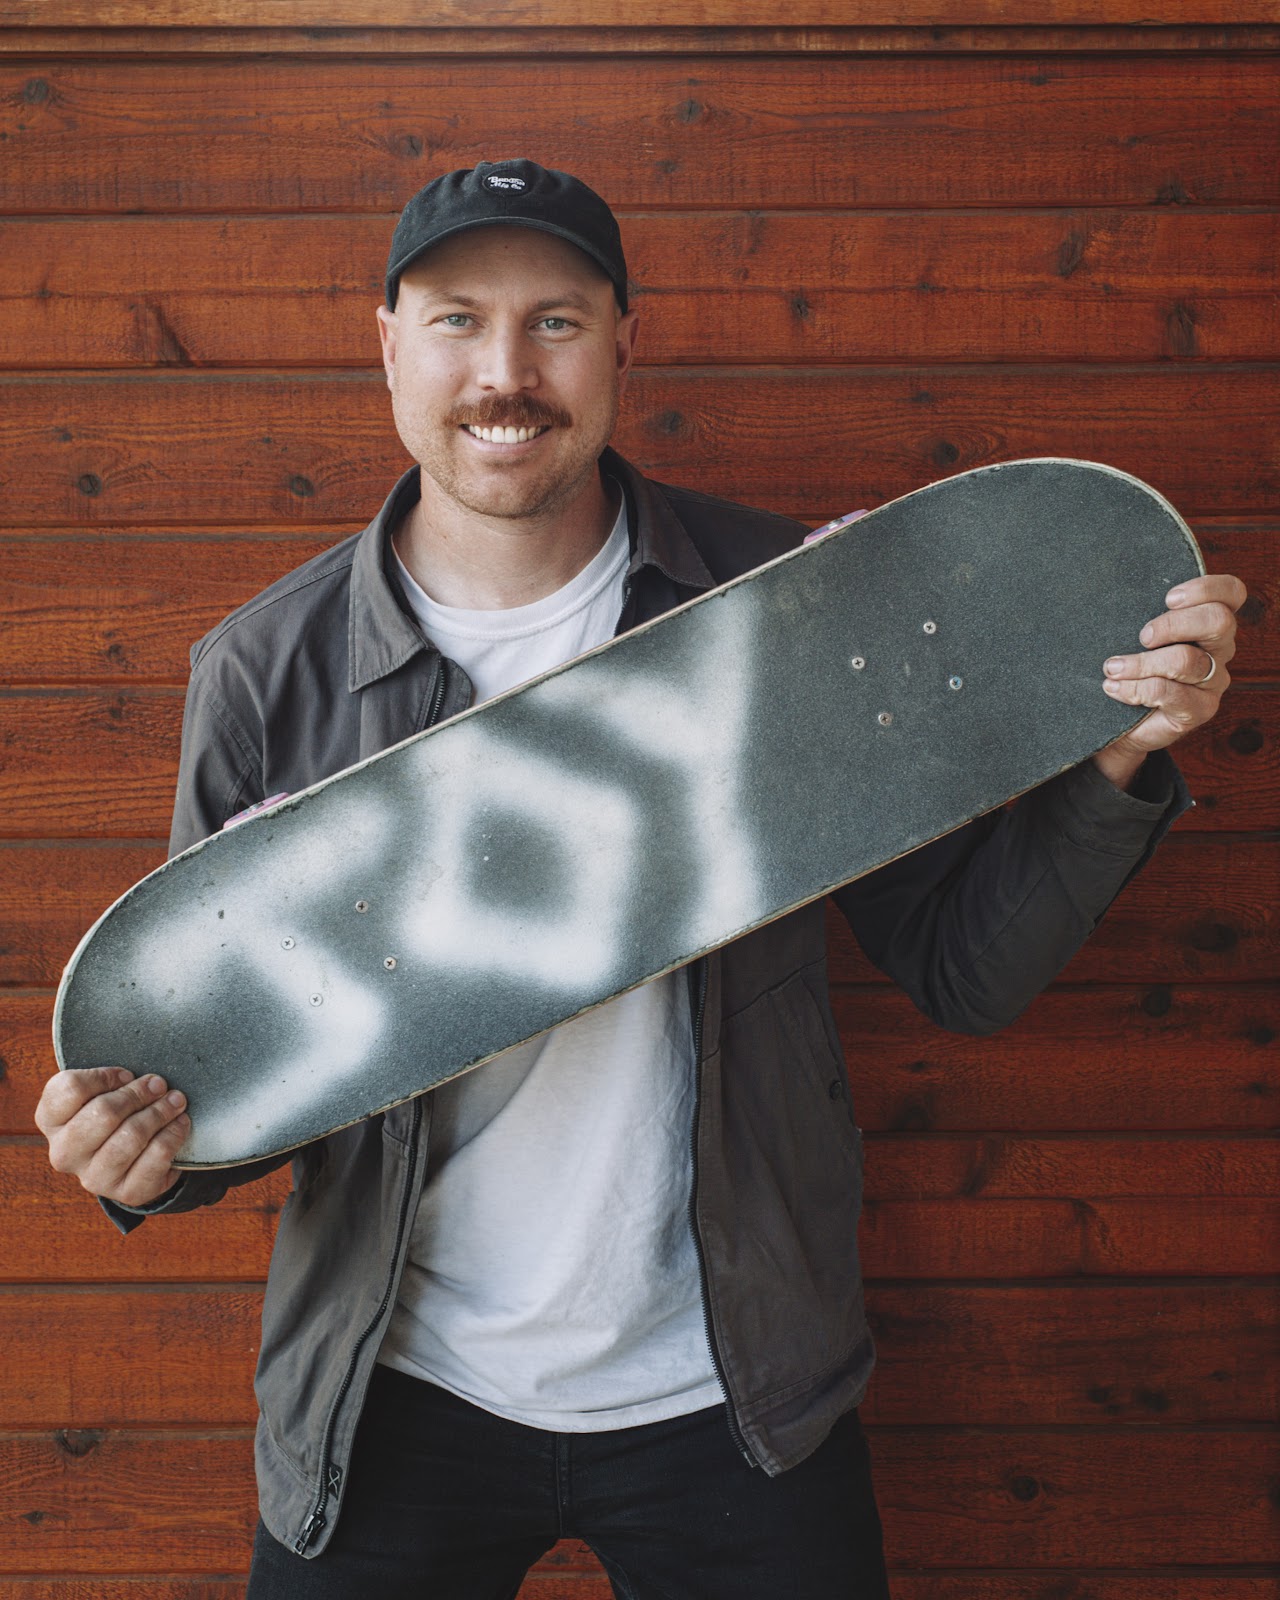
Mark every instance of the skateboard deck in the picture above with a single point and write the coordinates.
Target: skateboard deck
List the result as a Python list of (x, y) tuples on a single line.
[(404, 921)]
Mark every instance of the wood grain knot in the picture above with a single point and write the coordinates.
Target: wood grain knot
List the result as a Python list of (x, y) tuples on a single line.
[(302, 487), (1247, 739), (673, 424), (1172, 194), (1024, 1487), (1156, 1002), (944, 453), (89, 483), (1070, 253), (36, 91), (1214, 938), (78, 1442), (910, 1117), (1180, 325)]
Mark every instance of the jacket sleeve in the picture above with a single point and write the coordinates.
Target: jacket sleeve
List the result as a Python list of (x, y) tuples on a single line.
[(976, 924), (219, 773)]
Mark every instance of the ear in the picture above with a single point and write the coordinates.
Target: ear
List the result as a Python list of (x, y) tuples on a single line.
[(628, 329), (387, 326)]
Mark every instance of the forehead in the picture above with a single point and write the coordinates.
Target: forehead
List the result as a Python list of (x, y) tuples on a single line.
[(506, 258)]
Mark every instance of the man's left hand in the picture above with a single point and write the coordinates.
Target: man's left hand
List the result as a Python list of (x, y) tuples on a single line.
[(1180, 676)]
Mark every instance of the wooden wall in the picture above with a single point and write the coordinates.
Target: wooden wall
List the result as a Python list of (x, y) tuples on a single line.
[(872, 247)]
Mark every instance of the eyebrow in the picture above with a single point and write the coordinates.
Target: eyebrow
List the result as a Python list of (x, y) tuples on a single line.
[(570, 298)]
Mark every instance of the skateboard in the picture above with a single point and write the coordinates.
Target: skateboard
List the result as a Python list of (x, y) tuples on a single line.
[(402, 922)]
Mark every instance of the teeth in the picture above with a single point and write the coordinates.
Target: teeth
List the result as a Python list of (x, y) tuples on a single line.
[(504, 435)]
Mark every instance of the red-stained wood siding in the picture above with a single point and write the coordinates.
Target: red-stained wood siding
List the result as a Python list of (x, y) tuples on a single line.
[(868, 252)]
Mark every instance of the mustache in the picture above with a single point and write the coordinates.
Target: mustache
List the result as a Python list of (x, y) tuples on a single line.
[(509, 411)]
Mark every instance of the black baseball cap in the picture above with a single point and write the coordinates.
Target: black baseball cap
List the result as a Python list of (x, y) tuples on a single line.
[(519, 192)]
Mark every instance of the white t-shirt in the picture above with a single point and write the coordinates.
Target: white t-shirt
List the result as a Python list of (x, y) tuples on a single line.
[(552, 1276)]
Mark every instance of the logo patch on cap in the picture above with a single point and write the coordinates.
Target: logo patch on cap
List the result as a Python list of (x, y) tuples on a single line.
[(503, 181)]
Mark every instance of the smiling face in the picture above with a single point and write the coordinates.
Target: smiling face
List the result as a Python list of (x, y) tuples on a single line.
[(506, 356)]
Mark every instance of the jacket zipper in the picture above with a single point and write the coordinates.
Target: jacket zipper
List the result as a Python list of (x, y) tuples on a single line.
[(735, 1432), (437, 698), (330, 1473)]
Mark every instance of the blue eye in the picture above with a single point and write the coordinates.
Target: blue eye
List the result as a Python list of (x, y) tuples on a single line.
[(457, 319)]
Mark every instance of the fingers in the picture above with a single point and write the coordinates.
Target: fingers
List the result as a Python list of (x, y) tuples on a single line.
[(1214, 586), (116, 1134), (1187, 664), (66, 1092), (1211, 624), (1183, 705)]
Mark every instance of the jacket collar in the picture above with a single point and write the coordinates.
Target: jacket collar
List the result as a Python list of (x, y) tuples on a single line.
[(383, 635)]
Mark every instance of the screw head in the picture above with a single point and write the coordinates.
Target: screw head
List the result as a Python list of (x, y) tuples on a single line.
[(390, 963), (885, 718), (317, 999), (286, 943), (931, 627), (955, 681), (362, 905), (858, 663)]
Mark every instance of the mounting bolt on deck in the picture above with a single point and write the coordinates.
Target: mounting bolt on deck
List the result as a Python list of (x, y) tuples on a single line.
[(858, 663), (317, 999), (955, 682), (390, 963), (885, 718), (362, 905), (286, 943), (931, 627)]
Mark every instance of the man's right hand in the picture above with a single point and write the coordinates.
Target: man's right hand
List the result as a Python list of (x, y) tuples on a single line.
[(118, 1134)]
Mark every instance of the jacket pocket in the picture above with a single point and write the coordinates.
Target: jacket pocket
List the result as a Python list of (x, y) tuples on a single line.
[(782, 1191)]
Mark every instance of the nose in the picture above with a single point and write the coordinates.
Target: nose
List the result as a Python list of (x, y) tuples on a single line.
[(507, 363)]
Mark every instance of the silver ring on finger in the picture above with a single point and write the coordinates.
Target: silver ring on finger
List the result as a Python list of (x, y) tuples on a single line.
[(1213, 667)]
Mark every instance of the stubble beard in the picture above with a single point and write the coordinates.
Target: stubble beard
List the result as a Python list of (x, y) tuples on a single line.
[(496, 490)]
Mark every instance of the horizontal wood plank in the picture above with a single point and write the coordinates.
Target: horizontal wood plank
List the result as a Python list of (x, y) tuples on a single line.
[(1205, 910), (100, 607), (1178, 284), (1171, 1353), (1190, 1352), (1089, 1059), (262, 134), (102, 763), (189, 449), (70, 1238), (1086, 1058), (39, 42), (1009, 1166), (943, 1237), (688, 14), (104, 608), (1063, 1238), (95, 1499)]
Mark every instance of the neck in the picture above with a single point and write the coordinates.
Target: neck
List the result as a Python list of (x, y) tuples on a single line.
[(480, 563)]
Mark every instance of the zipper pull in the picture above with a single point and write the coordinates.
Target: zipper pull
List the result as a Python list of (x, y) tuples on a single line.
[(310, 1528)]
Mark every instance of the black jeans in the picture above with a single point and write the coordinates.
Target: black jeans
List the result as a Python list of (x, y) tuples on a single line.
[(446, 1502)]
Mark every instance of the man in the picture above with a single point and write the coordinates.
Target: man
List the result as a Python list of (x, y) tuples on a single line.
[(607, 1285)]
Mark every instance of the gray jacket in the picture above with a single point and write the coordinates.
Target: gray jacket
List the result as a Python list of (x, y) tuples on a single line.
[(327, 667)]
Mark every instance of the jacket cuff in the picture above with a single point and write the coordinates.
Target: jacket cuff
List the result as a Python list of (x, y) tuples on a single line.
[(1092, 812), (127, 1218)]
